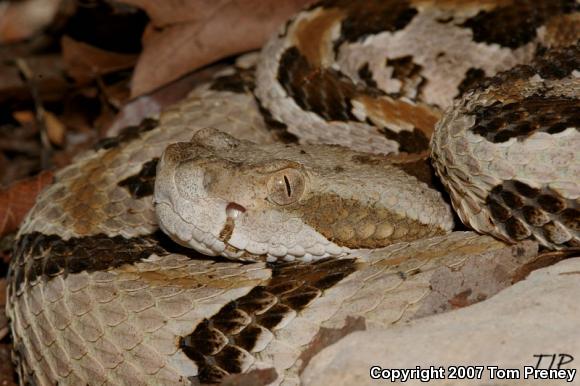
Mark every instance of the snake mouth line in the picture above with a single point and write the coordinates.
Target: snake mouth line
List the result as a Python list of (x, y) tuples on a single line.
[(227, 231), (233, 210)]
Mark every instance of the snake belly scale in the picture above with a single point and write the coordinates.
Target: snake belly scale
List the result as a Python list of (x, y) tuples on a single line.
[(222, 237)]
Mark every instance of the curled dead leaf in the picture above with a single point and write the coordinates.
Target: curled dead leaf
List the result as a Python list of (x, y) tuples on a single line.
[(6, 367), (55, 129), (327, 336), (48, 79), (3, 318), (23, 117), (196, 33), (147, 106), (17, 200), (85, 62), (20, 20)]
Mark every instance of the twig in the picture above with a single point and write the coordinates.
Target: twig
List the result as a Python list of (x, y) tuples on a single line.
[(40, 112)]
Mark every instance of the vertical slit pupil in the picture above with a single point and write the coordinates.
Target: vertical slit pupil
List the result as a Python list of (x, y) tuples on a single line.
[(288, 189)]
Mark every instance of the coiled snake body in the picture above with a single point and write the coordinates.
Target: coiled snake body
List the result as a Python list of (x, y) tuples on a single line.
[(99, 295)]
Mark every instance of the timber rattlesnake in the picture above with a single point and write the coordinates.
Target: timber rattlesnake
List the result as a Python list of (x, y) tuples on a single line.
[(98, 295)]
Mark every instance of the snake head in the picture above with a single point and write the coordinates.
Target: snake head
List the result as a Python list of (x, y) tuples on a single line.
[(223, 196)]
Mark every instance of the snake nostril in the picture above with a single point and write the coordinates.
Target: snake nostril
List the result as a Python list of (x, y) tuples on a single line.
[(233, 210)]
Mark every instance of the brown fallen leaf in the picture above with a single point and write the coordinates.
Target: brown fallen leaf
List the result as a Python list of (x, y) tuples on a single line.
[(55, 129), (48, 78), (20, 148), (478, 278), (146, 106), (6, 243), (20, 20), (3, 318), (327, 336), (117, 94), (188, 34), (18, 199), (79, 110), (164, 13), (544, 259), (6, 368), (85, 62), (24, 116), (17, 168)]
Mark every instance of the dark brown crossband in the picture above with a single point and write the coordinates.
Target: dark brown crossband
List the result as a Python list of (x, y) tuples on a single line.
[(409, 141), (325, 92), (329, 94), (557, 63), (241, 81), (516, 24), (406, 71), (127, 134), (523, 210), (142, 184), (223, 344), (471, 79), (278, 128), (366, 75), (38, 255), (500, 122), (549, 64), (370, 17)]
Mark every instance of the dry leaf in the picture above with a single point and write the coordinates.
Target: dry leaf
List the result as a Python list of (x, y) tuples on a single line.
[(3, 318), (85, 62), (6, 243), (20, 20), (10, 81), (2, 293), (23, 117), (117, 94), (18, 199), (198, 32), (477, 278), (6, 368), (147, 106), (328, 336), (544, 259), (55, 129), (48, 78), (165, 13)]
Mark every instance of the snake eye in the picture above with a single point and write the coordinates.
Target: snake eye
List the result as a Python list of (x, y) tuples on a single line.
[(286, 186)]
